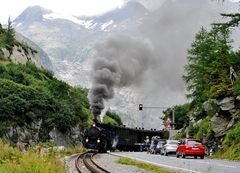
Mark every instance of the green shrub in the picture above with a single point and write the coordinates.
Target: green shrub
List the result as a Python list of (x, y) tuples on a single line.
[(237, 86), (109, 120), (220, 91), (230, 153), (231, 145), (180, 135), (232, 137), (113, 115), (205, 128)]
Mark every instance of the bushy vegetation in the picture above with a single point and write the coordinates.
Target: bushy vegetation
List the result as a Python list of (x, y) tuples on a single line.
[(13, 161), (205, 129), (112, 117), (28, 93)]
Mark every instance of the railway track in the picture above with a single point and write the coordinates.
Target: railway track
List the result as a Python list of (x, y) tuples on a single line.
[(85, 164)]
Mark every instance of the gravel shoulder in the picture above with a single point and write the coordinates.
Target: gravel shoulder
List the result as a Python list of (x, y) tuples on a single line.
[(109, 162), (70, 163)]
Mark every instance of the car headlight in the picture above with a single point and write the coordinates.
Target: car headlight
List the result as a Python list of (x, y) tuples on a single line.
[(98, 141), (86, 140)]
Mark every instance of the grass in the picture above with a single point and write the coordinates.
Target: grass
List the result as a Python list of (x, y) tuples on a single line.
[(231, 145), (145, 166), (14, 161), (71, 151), (229, 153), (4, 62)]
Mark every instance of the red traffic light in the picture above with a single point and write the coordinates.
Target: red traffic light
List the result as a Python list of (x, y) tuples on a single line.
[(140, 107)]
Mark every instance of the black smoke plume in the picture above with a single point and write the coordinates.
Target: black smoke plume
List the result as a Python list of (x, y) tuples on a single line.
[(121, 61)]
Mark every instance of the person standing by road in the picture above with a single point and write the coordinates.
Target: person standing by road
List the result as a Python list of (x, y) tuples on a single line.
[(147, 144)]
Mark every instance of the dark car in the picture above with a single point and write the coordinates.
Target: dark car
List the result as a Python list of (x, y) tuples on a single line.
[(191, 147), (159, 146)]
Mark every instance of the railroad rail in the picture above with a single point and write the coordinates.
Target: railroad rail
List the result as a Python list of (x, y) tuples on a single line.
[(85, 163)]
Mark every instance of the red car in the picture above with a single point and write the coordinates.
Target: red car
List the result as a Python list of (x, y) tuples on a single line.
[(191, 147)]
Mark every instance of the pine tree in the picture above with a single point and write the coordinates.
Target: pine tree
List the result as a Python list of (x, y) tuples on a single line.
[(9, 36), (207, 71)]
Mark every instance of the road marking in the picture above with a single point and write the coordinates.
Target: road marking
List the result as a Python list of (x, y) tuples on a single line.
[(157, 164), (219, 164), (228, 166)]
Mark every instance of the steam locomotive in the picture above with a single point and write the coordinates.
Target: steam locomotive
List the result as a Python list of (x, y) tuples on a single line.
[(103, 137)]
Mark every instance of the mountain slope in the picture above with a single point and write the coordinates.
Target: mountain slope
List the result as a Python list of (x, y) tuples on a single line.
[(44, 59), (170, 29)]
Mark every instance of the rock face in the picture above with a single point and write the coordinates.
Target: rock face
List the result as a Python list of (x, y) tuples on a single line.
[(22, 56), (227, 103), (209, 105), (32, 131), (24, 133), (43, 57), (224, 112), (219, 124), (71, 138)]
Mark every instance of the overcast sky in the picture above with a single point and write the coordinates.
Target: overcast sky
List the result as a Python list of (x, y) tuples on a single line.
[(13, 8)]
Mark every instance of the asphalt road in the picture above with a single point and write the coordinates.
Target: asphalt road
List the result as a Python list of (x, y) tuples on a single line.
[(189, 164)]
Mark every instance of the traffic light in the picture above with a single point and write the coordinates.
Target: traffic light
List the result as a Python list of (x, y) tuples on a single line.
[(140, 107)]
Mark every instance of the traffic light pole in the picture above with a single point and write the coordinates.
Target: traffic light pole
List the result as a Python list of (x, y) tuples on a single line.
[(141, 107)]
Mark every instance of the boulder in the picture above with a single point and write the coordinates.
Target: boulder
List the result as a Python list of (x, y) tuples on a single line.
[(226, 104), (6, 53), (209, 105), (237, 102), (21, 55), (24, 133), (219, 124), (70, 138)]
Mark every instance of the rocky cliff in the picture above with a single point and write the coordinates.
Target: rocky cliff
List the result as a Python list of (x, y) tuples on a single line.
[(22, 55)]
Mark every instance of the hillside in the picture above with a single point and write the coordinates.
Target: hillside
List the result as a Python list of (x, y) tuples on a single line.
[(34, 104), (213, 83), (70, 41)]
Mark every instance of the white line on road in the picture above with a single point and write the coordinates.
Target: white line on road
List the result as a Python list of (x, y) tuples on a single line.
[(218, 164), (157, 164)]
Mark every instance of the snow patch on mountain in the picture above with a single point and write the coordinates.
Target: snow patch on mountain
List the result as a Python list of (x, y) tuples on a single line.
[(106, 25), (88, 24)]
